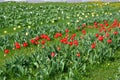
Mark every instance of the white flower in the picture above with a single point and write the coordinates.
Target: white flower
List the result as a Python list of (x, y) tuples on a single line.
[(62, 12), (14, 28), (86, 16), (41, 22), (97, 15), (68, 23), (5, 31), (43, 11), (26, 33), (58, 17), (105, 13), (77, 21), (19, 26), (68, 17), (77, 15), (110, 13), (92, 15), (29, 27), (30, 12), (82, 13), (80, 18), (53, 21), (4, 55)]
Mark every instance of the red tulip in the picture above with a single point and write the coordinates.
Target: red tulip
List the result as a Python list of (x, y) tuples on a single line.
[(119, 25), (78, 28), (115, 23), (57, 35), (101, 25), (17, 43), (36, 42), (48, 39), (70, 43), (109, 29), (83, 32), (78, 54), (52, 54), (25, 44), (100, 38), (58, 48), (106, 24), (107, 35), (76, 42), (17, 47), (66, 30), (32, 41), (42, 42), (73, 36), (84, 25), (6, 51), (109, 41), (37, 38), (95, 24), (64, 40), (97, 35), (115, 33), (44, 36), (93, 45)]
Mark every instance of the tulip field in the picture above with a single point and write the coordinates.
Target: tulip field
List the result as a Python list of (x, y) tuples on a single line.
[(60, 41)]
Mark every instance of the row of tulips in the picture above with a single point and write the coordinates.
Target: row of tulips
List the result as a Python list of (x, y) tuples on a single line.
[(43, 38), (34, 32)]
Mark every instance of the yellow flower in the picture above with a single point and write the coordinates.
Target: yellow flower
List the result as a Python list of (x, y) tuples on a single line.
[(77, 21), (52, 21), (97, 15), (77, 15), (62, 12), (58, 17), (14, 29), (19, 26), (26, 33), (105, 13), (110, 13), (41, 22), (86, 16), (68, 23), (68, 17), (83, 14), (5, 31), (29, 27)]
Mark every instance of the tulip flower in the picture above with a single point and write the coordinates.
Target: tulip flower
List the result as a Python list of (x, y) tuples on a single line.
[(78, 54)]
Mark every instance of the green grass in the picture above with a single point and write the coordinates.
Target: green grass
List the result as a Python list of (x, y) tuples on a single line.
[(106, 70)]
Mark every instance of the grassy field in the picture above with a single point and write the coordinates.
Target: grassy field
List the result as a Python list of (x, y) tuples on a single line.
[(17, 19)]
